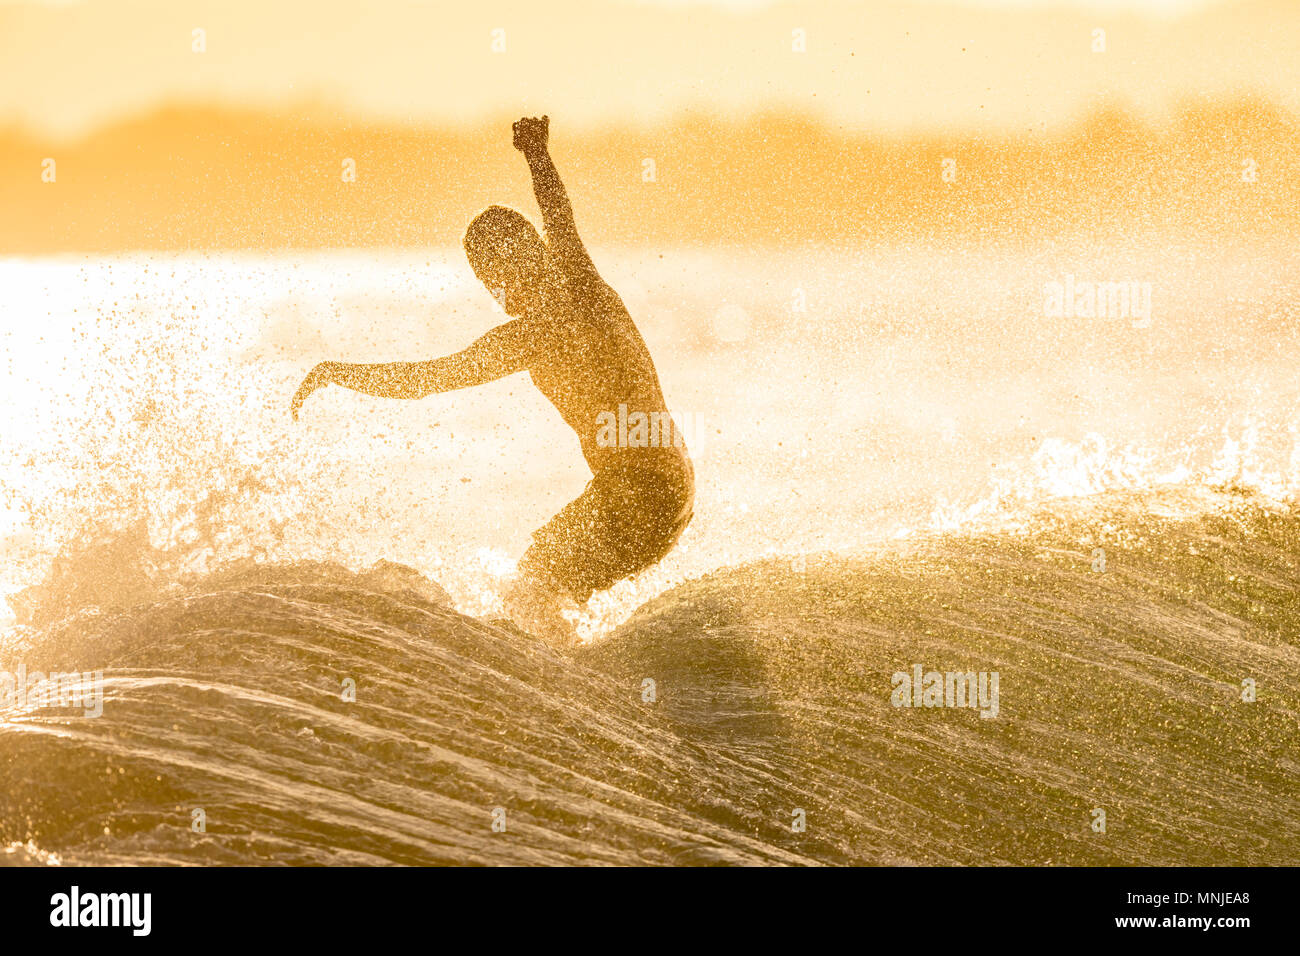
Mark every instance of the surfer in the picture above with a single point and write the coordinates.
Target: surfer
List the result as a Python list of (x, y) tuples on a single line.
[(572, 334)]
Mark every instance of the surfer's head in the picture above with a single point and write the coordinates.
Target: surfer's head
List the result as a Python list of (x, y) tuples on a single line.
[(508, 256)]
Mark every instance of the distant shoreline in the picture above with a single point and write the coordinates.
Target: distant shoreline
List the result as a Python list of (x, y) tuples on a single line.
[(202, 178)]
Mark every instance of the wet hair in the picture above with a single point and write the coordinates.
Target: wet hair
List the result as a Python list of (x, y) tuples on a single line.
[(504, 235)]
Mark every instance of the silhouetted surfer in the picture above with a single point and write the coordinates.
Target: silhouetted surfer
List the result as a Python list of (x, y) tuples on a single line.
[(573, 335)]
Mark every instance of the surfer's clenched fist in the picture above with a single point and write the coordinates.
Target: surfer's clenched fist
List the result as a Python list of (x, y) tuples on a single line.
[(319, 377), (531, 134)]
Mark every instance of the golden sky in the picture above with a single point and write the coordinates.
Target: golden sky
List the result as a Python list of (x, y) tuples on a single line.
[(896, 65)]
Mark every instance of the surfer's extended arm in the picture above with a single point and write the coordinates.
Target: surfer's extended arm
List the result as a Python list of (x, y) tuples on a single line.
[(530, 137), (505, 350)]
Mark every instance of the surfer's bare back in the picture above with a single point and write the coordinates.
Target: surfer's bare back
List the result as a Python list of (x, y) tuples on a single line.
[(573, 335)]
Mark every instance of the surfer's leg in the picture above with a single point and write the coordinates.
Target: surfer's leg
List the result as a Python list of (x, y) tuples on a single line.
[(536, 604), (556, 573), (627, 519)]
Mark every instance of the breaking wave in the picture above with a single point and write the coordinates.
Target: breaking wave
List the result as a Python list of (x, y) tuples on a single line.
[(309, 714)]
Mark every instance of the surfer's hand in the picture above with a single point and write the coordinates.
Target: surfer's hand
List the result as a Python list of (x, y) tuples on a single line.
[(530, 134), (318, 377)]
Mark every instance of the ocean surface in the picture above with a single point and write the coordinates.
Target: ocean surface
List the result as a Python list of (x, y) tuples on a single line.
[(906, 460)]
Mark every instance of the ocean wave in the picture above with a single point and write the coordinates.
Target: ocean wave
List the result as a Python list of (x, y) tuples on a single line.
[(1144, 643)]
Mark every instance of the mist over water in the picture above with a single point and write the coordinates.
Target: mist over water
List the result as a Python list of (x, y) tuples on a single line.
[(917, 411), (837, 400)]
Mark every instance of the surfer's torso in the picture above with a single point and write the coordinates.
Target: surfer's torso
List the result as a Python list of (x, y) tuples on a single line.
[(596, 367)]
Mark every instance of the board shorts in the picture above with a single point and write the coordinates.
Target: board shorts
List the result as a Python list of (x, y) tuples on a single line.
[(629, 516)]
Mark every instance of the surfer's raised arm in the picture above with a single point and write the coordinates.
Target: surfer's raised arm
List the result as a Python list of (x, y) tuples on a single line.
[(505, 350), (562, 240)]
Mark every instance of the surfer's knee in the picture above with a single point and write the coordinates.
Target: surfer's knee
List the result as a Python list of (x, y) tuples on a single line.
[(538, 607), (534, 585)]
